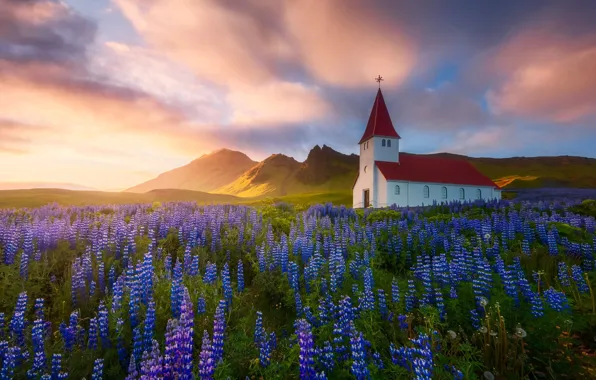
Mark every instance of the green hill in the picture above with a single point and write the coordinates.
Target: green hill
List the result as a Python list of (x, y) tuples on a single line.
[(41, 197)]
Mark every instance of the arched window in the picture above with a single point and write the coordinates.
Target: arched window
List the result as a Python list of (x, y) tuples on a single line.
[(389, 143), (396, 189), (444, 192), (478, 194), (383, 142), (426, 192), (462, 193)]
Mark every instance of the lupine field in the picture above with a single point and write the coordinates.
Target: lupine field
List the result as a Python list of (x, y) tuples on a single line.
[(497, 290)]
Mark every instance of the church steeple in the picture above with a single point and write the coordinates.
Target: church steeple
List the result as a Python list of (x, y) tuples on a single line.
[(379, 121)]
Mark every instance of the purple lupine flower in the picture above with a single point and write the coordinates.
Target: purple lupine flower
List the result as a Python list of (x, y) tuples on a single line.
[(382, 303), (206, 363), (394, 291), (226, 284), (133, 374), (306, 342), (240, 284), (201, 305), (578, 277), (149, 326), (97, 370), (359, 368), (137, 339), (92, 334), (103, 323), (327, 357), (556, 300), (151, 367), (57, 373), (17, 323), (219, 326)]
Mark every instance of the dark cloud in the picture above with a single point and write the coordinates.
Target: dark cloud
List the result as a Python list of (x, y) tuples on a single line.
[(43, 31)]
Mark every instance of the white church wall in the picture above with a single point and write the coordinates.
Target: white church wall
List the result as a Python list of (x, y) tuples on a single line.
[(381, 196), (412, 193), (365, 177), (385, 153), (400, 199)]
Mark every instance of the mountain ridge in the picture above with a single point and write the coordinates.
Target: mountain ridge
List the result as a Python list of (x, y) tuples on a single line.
[(327, 170), (205, 173)]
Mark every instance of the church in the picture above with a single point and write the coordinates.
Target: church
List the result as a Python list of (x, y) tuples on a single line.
[(387, 177)]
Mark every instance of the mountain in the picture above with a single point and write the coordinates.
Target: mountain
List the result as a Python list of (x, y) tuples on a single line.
[(206, 173), (324, 170), (43, 185), (324, 164)]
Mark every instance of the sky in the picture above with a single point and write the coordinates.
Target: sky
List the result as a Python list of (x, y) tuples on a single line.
[(110, 93)]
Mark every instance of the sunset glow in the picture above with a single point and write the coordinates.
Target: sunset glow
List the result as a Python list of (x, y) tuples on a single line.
[(108, 94)]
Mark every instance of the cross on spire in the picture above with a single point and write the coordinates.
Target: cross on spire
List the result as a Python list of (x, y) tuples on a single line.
[(379, 79)]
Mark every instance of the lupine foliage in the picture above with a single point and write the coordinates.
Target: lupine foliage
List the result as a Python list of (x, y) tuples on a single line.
[(176, 291)]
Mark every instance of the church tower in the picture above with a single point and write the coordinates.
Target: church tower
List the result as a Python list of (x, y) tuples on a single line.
[(380, 142)]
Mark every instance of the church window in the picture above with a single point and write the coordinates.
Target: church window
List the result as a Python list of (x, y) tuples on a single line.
[(383, 142), (426, 192), (396, 189), (389, 143), (444, 192), (478, 194), (462, 193)]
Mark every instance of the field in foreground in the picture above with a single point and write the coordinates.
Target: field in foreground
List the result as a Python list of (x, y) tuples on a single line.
[(478, 291)]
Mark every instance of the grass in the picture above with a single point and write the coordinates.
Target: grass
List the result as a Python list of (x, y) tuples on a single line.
[(534, 172), (40, 197), (506, 181)]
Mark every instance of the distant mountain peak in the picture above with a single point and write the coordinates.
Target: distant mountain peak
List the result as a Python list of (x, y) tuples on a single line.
[(206, 173)]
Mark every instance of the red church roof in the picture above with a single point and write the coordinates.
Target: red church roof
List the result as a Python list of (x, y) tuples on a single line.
[(433, 169), (379, 122)]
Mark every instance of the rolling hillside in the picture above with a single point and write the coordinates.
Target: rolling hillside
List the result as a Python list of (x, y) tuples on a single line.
[(206, 173), (41, 197), (535, 172)]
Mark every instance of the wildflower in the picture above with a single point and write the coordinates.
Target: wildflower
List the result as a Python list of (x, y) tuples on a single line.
[(519, 332)]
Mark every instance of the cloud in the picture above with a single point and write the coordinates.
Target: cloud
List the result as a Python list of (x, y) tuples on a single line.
[(15, 137), (551, 78), (447, 107), (257, 41), (483, 141), (544, 70), (335, 51), (48, 31)]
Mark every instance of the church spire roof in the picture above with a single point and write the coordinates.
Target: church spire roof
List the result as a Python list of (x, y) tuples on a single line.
[(379, 122)]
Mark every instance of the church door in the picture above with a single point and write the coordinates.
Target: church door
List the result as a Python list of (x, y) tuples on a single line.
[(366, 198)]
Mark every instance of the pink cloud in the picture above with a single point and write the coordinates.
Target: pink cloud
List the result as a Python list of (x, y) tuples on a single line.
[(347, 43), (545, 76), (252, 44)]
